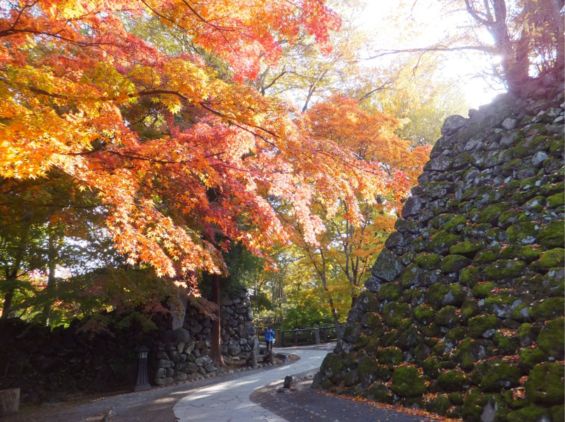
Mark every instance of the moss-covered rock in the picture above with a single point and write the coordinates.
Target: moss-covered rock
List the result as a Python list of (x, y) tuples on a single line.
[(442, 240), (549, 308), (483, 289), (379, 392), (495, 375), (466, 247), (504, 268), (407, 382), (551, 338), (428, 260), (390, 291), (556, 200), (473, 405), (479, 325), (487, 255), (550, 259), (447, 316), (524, 232), (454, 380), (424, 313), (545, 383), (389, 355), (527, 414), (397, 315), (491, 213), (552, 235), (454, 263), (526, 253), (531, 356)]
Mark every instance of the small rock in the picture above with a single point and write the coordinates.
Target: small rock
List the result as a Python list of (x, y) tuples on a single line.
[(288, 381), (539, 157), (509, 123), (452, 124)]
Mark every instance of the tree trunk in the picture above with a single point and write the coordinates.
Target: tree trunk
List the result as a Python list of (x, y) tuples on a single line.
[(7, 305), (216, 342), (51, 267)]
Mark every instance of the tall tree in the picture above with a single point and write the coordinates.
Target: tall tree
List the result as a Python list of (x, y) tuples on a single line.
[(152, 130)]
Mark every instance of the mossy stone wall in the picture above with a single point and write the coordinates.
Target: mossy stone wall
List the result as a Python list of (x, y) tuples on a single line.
[(464, 308)]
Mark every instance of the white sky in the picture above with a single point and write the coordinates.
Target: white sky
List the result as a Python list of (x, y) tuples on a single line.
[(422, 24)]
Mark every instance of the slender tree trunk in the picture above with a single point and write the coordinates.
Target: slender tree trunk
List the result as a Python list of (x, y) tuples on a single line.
[(7, 305), (216, 343), (51, 267)]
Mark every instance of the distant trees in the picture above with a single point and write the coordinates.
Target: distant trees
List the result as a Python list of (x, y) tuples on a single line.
[(526, 34)]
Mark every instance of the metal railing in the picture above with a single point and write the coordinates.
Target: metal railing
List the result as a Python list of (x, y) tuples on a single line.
[(305, 336)]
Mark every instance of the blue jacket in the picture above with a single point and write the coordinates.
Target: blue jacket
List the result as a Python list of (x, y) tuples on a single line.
[(269, 335)]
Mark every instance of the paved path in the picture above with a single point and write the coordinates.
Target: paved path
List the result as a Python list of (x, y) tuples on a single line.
[(229, 401)]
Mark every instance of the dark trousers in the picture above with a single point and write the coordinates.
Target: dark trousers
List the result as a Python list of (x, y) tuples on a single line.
[(269, 346)]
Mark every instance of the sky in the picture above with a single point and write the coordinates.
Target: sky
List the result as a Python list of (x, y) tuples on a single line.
[(401, 24)]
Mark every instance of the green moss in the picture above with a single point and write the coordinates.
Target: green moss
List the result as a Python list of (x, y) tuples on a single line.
[(429, 261), (332, 365), (527, 414), (556, 200), (430, 365), (446, 316), (424, 313), (466, 247), (552, 235), (558, 413), (550, 259), (507, 218), (487, 255), (524, 232), (441, 294), (469, 309), (506, 345), (464, 354), (389, 355), (442, 240), (491, 213), (549, 308), (456, 333), (469, 276), (527, 253), (529, 357), (495, 375), (525, 331), (397, 315), (452, 380), (483, 289), (440, 404), (390, 291), (473, 405), (366, 368), (407, 382), (454, 222), (410, 275), (374, 321), (379, 392), (504, 268), (481, 323), (545, 384), (499, 300), (454, 263), (551, 338), (456, 398)]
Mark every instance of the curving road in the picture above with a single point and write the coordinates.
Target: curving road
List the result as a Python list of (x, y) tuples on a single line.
[(229, 401)]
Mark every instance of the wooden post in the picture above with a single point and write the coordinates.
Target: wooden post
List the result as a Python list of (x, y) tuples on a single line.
[(9, 401)]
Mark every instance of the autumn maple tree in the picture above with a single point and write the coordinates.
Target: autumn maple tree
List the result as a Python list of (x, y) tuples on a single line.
[(340, 263), (185, 157)]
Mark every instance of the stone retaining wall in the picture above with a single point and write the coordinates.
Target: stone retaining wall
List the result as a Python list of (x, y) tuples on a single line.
[(463, 313)]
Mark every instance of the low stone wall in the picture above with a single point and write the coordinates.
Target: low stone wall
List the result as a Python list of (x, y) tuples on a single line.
[(185, 352)]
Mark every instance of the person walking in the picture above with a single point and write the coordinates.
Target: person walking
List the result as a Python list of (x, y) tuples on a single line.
[(269, 338)]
